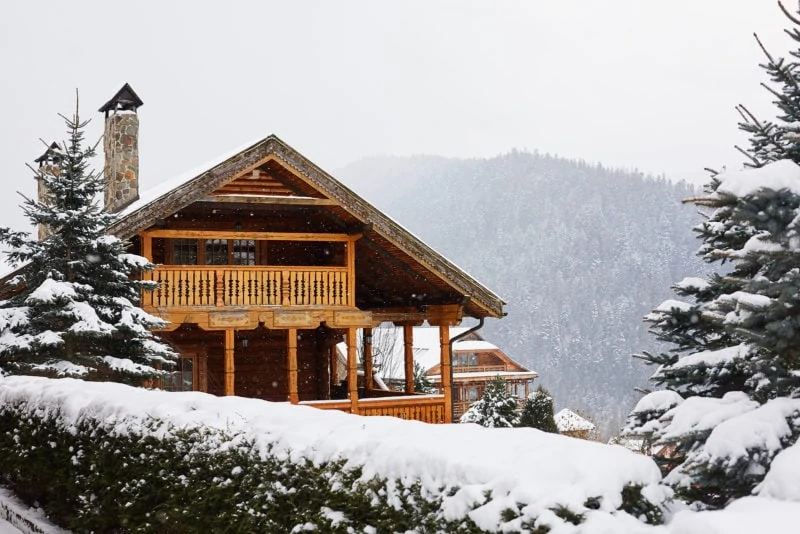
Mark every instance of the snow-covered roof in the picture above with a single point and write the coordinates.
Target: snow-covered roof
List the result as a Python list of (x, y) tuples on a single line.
[(569, 421), (174, 194)]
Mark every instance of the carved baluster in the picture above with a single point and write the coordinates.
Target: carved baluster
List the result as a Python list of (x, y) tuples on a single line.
[(286, 286)]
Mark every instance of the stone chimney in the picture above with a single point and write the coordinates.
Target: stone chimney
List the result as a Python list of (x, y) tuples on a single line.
[(121, 147), (49, 163)]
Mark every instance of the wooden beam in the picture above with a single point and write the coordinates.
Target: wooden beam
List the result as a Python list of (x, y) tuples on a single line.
[(444, 314), (408, 356), (352, 370), (273, 200), (291, 364), (368, 372), (445, 363), (266, 236), (229, 368)]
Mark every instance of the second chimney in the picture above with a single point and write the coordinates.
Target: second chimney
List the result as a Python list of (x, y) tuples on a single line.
[(121, 147)]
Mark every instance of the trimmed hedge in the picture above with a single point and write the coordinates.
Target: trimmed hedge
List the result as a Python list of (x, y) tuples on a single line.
[(92, 478)]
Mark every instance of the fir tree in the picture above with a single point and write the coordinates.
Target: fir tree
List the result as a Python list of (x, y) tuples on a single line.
[(497, 408), (537, 412), (737, 337), (75, 311), (421, 382)]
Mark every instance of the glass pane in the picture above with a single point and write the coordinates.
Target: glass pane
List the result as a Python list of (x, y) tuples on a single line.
[(184, 251), (244, 252), (216, 252)]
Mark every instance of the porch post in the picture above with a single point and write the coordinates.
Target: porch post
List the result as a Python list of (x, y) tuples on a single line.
[(352, 370), (368, 372), (408, 355), (147, 246), (444, 343), (291, 364), (229, 370)]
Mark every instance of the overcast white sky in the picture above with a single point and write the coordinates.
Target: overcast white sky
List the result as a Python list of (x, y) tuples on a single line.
[(629, 83)]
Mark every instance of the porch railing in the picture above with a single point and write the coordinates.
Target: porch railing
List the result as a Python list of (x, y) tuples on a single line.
[(425, 408), (187, 286)]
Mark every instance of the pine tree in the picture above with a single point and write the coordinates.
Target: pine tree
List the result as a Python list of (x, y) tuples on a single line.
[(737, 336), (497, 407), (75, 311), (537, 412)]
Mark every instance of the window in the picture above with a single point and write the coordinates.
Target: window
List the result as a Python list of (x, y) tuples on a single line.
[(244, 252), (216, 252), (465, 359), (184, 251), (182, 377)]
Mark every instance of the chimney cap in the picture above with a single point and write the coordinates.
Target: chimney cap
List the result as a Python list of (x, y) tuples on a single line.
[(126, 99), (53, 152)]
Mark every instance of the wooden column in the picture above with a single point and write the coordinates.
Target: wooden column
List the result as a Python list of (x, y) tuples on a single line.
[(408, 356), (229, 369), (291, 364), (352, 370), (446, 361), (368, 372), (147, 246)]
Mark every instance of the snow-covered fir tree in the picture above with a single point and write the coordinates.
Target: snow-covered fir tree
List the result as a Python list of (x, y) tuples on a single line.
[(736, 362), (497, 407), (537, 412), (422, 383), (75, 311)]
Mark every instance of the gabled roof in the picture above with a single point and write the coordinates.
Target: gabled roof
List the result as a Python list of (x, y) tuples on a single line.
[(311, 181), (568, 421)]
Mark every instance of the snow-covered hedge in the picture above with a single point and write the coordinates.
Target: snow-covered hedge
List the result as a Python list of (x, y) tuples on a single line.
[(102, 457)]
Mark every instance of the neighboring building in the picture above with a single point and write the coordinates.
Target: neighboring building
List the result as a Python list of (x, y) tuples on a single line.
[(475, 362), (266, 262), (571, 424)]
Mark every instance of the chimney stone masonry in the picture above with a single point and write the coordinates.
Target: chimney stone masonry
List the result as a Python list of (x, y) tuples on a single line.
[(121, 147)]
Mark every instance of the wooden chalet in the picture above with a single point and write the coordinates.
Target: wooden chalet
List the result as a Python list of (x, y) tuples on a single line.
[(266, 262)]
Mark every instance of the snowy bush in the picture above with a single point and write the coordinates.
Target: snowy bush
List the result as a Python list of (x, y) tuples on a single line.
[(108, 457)]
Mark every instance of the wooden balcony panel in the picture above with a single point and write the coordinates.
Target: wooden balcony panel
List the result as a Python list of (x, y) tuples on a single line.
[(478, 368), (188, 286)]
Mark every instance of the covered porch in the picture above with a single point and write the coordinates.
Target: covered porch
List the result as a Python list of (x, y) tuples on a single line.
[(290, 356)]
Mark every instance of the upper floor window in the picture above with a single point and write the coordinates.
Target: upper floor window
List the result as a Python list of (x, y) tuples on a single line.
[(216, 252), (184, 251), (244, 252), (465, 359)]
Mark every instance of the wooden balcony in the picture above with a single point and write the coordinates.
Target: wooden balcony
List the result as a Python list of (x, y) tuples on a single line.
[(182, 286), (478, 368), (425, 408)]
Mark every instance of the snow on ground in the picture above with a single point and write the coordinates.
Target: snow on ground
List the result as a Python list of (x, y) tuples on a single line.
[(519, 465), (16, 518), (524, 466)]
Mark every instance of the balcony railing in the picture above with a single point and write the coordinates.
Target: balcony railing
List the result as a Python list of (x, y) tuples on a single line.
[(188, 286)]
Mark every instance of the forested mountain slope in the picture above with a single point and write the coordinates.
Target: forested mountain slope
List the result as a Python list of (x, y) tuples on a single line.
[(579, 252)]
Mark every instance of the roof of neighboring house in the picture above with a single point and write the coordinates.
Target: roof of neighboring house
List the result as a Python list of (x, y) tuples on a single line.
[(569, 421), (401, 257)]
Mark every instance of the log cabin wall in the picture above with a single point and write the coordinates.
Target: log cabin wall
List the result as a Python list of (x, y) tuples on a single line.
[(260, 361)]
